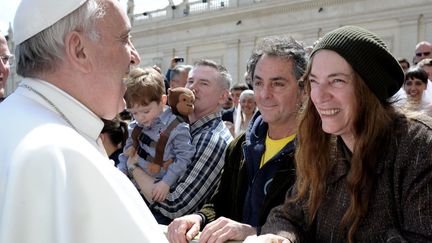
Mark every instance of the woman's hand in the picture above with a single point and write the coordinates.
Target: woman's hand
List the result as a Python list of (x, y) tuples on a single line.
[(268, 238)]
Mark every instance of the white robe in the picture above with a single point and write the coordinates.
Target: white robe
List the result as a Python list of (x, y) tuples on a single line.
[(56, 184)]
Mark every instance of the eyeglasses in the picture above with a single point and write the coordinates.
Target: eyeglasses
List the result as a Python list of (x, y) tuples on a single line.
[(6, 58), (419, 54)]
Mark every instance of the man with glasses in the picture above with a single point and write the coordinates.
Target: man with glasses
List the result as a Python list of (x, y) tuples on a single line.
[(423, 50), (4, 65)]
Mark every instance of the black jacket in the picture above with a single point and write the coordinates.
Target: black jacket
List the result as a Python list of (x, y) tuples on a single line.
[(228, 115)]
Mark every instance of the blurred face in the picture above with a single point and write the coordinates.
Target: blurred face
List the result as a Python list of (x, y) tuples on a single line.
[(146, 114), (235, 95), (332, 93), (428, 70), (228, 103), (248, 105), (209, 92), (4, 64), (423, 51), (277, 94), (179, 80), (414, 89), (405, 66), (111, 58)]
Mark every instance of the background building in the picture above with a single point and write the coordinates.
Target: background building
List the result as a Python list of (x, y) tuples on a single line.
[(227, 30)]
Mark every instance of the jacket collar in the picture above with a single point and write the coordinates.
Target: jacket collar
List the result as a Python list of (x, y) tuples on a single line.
[(342, 162), (85, 121), (202, 121), (257, 129)]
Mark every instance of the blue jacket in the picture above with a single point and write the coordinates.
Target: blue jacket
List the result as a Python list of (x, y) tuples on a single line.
[(243, 194), (262, 181)]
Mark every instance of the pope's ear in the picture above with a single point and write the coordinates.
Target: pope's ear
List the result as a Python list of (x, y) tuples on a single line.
[(76, 51)]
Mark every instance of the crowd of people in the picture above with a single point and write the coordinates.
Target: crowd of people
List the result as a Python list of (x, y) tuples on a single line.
[(327, 144)]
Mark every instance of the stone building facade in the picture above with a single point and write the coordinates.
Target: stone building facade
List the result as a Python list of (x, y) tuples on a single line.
[(228, 30)]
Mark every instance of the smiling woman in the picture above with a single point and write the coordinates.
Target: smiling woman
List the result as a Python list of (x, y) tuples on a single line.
[(332, 90), (355, 151), (416, 80)]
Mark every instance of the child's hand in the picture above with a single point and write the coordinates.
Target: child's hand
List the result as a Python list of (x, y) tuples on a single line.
[(160, 191), (130, 151), (132, 156)]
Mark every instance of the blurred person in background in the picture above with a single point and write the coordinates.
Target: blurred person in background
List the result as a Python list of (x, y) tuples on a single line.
[(5, 57), (422, 50), (179, 75), (113, 136), (246, 109), (415, 84), (235, 91), (404, 64)]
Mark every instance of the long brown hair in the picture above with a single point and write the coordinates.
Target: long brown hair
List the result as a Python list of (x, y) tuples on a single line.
[(316, 153)]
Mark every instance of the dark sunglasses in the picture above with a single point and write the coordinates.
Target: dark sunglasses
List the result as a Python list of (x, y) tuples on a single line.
[(419, 54)]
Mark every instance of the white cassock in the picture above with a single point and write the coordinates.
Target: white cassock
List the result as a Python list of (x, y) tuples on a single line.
[(56, 183)]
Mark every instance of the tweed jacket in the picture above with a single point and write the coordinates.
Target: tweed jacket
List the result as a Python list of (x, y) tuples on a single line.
[(400, 204), (231, 194)]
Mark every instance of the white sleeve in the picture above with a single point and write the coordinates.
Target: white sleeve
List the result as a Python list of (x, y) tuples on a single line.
[(64, 195)]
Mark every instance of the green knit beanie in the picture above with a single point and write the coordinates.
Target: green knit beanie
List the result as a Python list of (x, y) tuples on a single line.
[(368, 56)]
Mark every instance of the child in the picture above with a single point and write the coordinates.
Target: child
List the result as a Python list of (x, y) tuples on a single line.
[(146, 101)]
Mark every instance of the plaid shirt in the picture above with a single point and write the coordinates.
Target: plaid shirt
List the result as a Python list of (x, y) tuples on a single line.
[(210, 137)]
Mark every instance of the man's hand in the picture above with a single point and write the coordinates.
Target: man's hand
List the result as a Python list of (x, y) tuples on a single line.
[(184, 229), (268, 238), (160, 191), (173, 62), (230, 127), (155, 67), (223, 229)]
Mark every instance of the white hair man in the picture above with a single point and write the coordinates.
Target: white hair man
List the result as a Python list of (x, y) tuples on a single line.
[(56, 181)]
